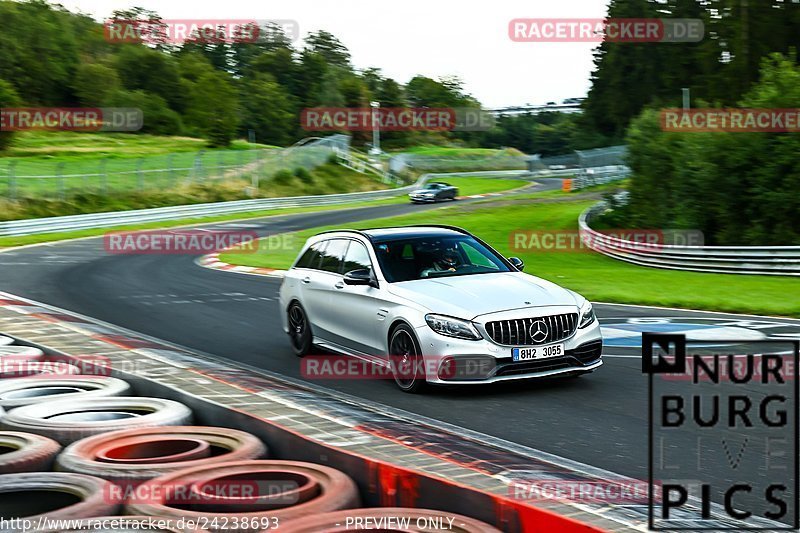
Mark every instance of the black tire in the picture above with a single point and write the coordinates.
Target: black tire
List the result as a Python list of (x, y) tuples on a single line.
[(20, 392), (26, 452), (405, 356), (98, 457), (67, 421), (299, 329), (57, 495)]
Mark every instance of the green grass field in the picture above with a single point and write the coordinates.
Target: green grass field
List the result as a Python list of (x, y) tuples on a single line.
[(593, 275), (468, 186), (113, 162)]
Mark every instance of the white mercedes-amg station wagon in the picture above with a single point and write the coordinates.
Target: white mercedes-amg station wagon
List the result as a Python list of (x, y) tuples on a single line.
[(435, 304)]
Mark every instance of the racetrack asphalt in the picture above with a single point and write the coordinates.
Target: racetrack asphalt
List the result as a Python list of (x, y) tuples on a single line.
[(598, 419)]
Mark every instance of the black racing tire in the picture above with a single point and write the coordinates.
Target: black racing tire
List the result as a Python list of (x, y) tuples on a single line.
[(26, 452), (406, 359), (20, 353), (56, 495), (20, 392), (132, 456), (300, 335), (67, 421), (318, 489)]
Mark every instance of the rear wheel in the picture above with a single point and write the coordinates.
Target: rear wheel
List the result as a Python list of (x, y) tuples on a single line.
[(406, 360), (299, 330)]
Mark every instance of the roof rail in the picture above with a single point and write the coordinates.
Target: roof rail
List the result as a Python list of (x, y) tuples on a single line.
[(442, 226), (344, 230)]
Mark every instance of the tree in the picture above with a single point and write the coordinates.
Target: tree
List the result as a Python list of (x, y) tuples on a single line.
[(329, 47), (737, 188), (142, 68), (158, 118), (38, 51), (212, 108), (267, 109), (95, 83), (8, 98)]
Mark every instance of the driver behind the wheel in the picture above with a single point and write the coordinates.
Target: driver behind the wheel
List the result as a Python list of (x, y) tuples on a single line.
[(448, 260)]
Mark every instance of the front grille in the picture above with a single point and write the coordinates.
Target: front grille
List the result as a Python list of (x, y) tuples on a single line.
[(517, 332)]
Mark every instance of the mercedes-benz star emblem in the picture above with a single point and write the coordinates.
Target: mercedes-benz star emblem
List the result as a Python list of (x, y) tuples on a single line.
[(538, 331)]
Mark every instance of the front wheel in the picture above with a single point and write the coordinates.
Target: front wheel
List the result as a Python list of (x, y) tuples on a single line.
[(406, 360), (299, 330)]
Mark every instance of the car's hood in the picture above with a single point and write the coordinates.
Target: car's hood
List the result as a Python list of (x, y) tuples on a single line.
[(473, 295)]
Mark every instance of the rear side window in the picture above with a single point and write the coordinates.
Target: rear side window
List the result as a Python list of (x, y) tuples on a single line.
[(332, 255), (310, 258), (357, 258)]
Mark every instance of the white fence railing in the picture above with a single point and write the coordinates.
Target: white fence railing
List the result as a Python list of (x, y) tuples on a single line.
[(769, 260)]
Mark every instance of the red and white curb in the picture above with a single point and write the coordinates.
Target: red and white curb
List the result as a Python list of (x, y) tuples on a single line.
[(213, 262), (486, 195)]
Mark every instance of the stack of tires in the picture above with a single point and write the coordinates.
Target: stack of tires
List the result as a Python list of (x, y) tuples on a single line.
[(83, 448)]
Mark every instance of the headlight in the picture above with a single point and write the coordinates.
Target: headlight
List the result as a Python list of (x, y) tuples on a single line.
[(452, 327), (587, 315)]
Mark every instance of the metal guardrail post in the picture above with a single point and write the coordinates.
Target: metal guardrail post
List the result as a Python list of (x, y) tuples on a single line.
[(139, 175), (198, 166), (12, 180), (171, 181), (103, 176), (62, 187)]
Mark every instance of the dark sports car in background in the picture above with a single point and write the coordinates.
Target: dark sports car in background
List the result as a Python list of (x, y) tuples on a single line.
[(434, 191)]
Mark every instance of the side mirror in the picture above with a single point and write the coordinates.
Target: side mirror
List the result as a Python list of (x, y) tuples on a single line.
[(362, 276), (517, 262)]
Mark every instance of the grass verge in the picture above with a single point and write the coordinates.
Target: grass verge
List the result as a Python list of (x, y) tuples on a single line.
[(595, 276)]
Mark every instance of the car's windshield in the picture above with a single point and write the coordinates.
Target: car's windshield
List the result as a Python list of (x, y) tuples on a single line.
[(435, 257)]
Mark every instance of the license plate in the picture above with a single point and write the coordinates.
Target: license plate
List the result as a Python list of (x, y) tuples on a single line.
[(537, 352)]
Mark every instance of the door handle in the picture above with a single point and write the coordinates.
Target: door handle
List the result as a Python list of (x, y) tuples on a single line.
[(306, 279), (339, 285)]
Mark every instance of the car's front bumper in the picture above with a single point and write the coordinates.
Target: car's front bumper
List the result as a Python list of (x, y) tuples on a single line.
[(463, 362), (422, 198)]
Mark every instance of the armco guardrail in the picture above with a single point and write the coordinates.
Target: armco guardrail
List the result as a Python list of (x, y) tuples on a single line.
[(768, 260), (140, 216)]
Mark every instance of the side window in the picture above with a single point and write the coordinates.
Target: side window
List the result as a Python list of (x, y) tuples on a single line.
[(476, 258), (332, 255), (356, 258), (310, 258)]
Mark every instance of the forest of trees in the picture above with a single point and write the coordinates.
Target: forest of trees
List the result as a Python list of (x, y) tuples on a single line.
[(219, 91), (216, 90), (718, 70), (738, 188)]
